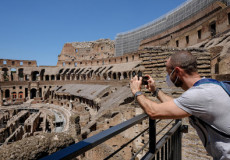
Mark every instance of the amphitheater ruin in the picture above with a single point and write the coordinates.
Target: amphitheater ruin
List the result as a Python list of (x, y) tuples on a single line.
[(45, 108)]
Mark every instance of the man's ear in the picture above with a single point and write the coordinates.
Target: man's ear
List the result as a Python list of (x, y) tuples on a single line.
[(179, 71)]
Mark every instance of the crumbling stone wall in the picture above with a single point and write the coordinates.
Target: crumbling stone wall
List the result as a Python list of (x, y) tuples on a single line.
[(36, 147), (103, 48)]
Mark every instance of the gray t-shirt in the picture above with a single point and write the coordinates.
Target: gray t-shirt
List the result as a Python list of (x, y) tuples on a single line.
[(210, 103)]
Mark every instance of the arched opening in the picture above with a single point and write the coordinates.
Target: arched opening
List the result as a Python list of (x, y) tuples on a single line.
[(20, 95), (68, 77), (98, 77), (72, 70), (78, 76), (60, 71), (77, 70), (14, 95), (125, 75), (114, 76), (67, 70), (33, 93), (20, 74), (119, 75), (105, 76), (52, 77), (133, 74), (84, 77), (47, 77), (5, 74), (34, 75), (73, 76), (139, 74), (212, 27), (110, 75), (7, 93), (13, 73), (58, 77), (42, 74), (130, 74)]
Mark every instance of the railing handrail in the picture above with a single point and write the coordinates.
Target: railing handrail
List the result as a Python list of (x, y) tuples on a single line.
[(89, 143)]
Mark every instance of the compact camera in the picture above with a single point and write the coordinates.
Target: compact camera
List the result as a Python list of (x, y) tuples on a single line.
[(144, 78)]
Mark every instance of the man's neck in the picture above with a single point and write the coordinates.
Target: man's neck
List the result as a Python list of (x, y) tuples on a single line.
[(190, 80)]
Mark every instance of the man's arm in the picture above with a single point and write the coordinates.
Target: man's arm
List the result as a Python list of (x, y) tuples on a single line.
[(152, 87), (166, 110), (163, 97)]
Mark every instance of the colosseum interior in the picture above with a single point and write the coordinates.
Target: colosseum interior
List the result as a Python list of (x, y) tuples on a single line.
[(88, 90)]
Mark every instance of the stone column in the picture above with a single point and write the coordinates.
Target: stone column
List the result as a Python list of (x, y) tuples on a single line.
[(9, 75), (122, 77), (1, 97), (29, 90)]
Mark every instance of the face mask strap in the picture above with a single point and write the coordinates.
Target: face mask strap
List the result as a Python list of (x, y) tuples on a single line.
[(171, 74)]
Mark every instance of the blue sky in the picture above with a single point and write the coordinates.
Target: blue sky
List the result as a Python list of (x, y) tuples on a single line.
[(38, 29)]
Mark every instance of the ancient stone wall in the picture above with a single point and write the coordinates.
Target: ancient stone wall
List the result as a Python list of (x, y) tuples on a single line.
[(79, 51), (36, 147), (194, 30)]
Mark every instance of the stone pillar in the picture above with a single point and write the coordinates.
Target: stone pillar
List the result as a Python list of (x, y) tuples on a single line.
[(122, 77), (1, 76), (9, 75), (16, 77), (1, 97), (29, 85)]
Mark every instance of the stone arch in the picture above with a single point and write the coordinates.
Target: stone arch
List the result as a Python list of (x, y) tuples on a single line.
[(104, 76), (61, 70), (114, 75), (77, 70), (78, 77), (110, 75), (7, 93), (89, 75), (47, 77), (42, 74), (119, 75), (139, 73), (68, 77), (5, 74), (34, 75), (33, 93), (12, 73), (52, 77), (72, 70), (14, 95), (98, 77), (67, 70), (133, 73), (20, 95), (58, 77), (125, 75), (20, 74), (130, 73)]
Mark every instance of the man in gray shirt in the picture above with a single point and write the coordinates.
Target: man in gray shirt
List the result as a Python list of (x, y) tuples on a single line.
[(206, 105)]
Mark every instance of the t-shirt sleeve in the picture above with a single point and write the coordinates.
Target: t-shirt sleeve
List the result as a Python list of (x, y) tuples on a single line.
[(194, 101)]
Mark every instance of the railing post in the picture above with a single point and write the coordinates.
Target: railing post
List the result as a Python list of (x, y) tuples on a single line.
[(152, 136), (179, 141)]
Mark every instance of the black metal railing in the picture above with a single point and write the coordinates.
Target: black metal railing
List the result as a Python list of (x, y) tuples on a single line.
[(168, 147)]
